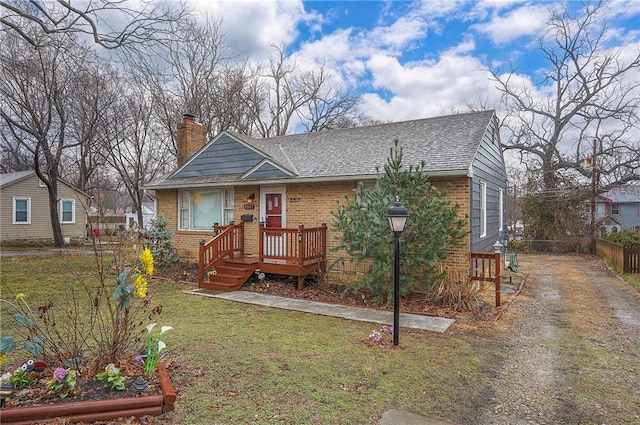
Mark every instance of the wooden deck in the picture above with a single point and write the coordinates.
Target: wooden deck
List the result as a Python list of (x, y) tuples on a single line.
[(296, 252)]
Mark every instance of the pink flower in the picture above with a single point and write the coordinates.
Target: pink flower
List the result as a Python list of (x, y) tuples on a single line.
[(59, 374)]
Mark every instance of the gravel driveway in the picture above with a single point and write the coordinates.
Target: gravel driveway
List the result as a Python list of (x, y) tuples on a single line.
[(572, 355)]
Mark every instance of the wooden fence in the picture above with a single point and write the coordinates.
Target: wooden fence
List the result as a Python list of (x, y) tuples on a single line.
[(624, 259)]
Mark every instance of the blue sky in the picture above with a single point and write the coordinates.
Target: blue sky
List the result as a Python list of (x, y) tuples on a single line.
[(410, 59)]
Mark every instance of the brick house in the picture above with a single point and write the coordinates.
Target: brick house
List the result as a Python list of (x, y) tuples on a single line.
[(287, 181)]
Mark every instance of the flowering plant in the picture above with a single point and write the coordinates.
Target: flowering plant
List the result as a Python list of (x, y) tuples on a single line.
[(134, 281), (151, 358), (382, 336), (63, 382), (112, 377)]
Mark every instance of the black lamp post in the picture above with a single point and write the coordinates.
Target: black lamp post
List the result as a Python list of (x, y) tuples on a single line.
[(397, 219)]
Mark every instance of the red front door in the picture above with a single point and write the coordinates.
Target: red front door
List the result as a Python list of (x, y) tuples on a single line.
[(274, 209)]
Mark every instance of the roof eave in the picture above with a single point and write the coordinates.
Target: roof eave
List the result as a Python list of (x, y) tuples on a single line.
[(279, 181)]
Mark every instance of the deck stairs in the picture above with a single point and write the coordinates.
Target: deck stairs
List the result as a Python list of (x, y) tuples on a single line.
[(231, 274)]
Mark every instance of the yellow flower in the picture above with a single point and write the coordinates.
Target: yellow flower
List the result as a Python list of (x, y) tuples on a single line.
[(140, 286), (20, 296), (3, 357), (146, 257)]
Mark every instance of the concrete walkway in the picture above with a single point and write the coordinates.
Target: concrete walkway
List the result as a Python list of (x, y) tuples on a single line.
[(415, 321)]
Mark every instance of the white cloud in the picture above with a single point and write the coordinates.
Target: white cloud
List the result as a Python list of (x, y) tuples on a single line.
[(526, 20), (426, 89), (255, 25), (398, 35)]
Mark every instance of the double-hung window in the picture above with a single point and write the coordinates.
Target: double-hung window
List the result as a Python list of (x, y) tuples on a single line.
[(200, 209), (483, 209), (67, 211), (501, 209), (615, 209), (21, 210)]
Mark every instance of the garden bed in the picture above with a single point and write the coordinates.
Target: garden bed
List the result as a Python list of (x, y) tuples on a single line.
[(97, 410)]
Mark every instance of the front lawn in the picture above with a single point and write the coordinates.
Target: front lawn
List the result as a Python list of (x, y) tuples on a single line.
[(236, 363)]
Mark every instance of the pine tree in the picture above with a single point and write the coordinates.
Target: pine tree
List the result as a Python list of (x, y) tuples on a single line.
[(160, 242), (432, 228)]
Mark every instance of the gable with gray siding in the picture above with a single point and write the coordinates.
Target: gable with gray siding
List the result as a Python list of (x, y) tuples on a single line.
[(488, 168)]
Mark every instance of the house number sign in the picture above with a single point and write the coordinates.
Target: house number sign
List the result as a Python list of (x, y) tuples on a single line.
[(294, 199)]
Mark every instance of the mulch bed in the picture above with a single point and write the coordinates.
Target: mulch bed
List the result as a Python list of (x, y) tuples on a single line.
[(87, 388), (285, 286)]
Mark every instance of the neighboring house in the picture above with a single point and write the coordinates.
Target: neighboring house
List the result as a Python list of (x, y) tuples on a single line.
[(148, 214), (295, 180), (619, 209), (24, 210)]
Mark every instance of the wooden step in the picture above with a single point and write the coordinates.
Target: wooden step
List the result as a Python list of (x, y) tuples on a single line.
[(231, 275)]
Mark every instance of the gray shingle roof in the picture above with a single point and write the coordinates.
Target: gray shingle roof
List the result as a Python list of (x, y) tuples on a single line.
[(624, 195), (9, 178), (446, 144)]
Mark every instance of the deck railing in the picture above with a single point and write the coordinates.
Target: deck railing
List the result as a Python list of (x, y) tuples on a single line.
[(293, 246), (486, 267), (227, 240)]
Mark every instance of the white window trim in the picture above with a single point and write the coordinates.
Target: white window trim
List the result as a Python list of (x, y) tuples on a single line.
[(73, 211), (501, 209), (189, 202), (483, 209), (619, 207), (13, 216), (181, 194)]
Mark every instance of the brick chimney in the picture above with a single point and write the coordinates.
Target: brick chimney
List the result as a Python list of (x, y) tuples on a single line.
[(190, 137)]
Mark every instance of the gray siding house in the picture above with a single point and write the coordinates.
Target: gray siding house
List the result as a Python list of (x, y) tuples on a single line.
[(295, 180), (24, 210)]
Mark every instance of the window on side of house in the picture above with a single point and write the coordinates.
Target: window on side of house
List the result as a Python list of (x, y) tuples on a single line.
[(364, 186), (228, 206), (615, 209), (483, 209), (501, 209), (200, 209), (21, 210), (67, 211)]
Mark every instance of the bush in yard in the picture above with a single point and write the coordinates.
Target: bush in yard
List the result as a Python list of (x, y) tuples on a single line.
[(433, 226), (97, 316), (626, 237), (159, 240)]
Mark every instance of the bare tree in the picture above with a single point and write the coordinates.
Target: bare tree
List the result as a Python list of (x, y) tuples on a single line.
[(328, 104), (135, 150), (13, 156), (37, 98), (97, 87), (284, 93), (194, 72), (594, 96), (110, 23)]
